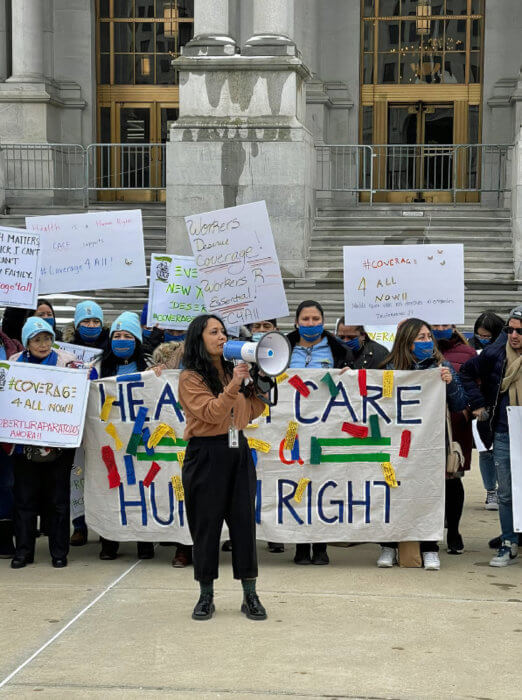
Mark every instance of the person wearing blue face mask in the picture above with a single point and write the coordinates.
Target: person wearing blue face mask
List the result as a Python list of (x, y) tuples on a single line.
[(415, 349), (315, 348), (368, 354), (45, 310), (486, 330)]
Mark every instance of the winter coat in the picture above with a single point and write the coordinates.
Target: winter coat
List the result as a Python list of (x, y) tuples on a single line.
[(342, 356), (370, 356), (488, 368), (11, 346), (458, 353), (169, 354), (65, 359)]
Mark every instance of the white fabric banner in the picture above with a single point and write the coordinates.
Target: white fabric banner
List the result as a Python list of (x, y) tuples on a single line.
[(346, 498), (515, 446), (19, 267)]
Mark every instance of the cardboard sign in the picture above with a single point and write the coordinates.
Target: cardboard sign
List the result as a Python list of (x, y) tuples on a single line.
[(97, 250), (515, 447), (356, 466), (175, 296), (81, 353), (385, 284), (385, 335), (19, 267), (42, 405), (237, 262)]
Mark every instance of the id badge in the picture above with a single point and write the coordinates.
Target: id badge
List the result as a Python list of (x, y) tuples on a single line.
[(233, 437)]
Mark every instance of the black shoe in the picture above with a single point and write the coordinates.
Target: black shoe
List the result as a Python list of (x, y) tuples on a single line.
[(495, 543), (302, 554), (252, 607), (455, 544), (320, 558), (204, 607), (18, 562), (79, 538), (145, 550), (226, 546), (276, 548), (108, 554), (60, 562)]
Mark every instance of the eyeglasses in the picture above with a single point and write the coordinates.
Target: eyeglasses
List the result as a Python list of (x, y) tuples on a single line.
[(509, 330), (308, 358)]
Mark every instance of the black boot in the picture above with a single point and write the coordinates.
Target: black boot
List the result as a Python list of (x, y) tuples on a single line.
[(145, 550), (7, 549), (302, 554), (204, 607), (252, 607)]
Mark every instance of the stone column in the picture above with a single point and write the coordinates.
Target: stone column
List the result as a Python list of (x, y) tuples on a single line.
[(273, 29), (3, 42), (211, 30), (27, 41)]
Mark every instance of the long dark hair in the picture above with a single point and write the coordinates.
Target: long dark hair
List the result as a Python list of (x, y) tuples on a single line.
[(109, 361), (196, 357), (39, 303), (401, 356), (491, 322)]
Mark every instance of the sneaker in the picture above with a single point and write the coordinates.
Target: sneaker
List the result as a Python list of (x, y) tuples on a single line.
[(491, 500), (495, 543), (455, 544), (387, 558), (431, 561), (507, 554)]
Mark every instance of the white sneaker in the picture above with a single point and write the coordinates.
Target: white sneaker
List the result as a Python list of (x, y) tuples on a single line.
[(491, 500), (431, 561), (387, 558), (507, 554)]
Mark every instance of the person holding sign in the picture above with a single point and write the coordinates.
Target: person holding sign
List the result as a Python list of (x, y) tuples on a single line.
[(44, 309), (414, 349), (218, 472), (41, 474), (315, 348)]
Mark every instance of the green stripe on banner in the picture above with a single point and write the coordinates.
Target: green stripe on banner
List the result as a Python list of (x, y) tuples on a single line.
[(157, 457), (349, 442), (169, 442), (374, 427), (370, 457)]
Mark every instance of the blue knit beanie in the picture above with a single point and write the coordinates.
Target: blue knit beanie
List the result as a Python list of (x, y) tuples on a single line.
[(85, 310), (33, 326), (128, 321)]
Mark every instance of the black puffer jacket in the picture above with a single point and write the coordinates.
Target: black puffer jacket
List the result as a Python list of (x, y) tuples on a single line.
[(370, 356)]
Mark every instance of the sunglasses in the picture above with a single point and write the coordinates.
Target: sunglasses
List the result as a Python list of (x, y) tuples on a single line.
[(308, 358), (509, 330)]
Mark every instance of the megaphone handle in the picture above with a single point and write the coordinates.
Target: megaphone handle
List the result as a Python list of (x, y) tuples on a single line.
[(246, 382)]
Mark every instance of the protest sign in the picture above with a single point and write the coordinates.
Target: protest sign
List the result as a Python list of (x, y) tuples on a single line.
[(19, 267), (515, 446), (385, 335), (80, 352), (42, 405), (237, 262), (349, 450), (77, 483), (384, 284), (175, 296), (97, 250)]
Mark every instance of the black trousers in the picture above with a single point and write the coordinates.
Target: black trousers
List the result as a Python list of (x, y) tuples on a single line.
[(220, 486), (454, 505), (47, 483)]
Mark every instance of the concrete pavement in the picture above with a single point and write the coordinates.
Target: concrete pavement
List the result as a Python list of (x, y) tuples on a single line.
[(348, 630)]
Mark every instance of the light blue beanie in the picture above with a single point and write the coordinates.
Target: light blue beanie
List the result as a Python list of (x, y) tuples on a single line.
[(33, 326), (130, 322), (85, 310)]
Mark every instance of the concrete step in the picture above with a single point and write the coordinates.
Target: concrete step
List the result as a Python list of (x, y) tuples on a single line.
[(410, 211)]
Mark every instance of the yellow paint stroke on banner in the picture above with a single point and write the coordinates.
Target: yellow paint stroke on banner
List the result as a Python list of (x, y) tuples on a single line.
[(281, 377), (178, 488), (387, 384), (291, 434), (111, 430), (159, 433), (389, 474), (181, 458), (106, 408), (259, 445), (299, 492)]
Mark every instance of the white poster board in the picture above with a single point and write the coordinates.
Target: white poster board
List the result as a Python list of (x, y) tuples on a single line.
[(385, 284), (97, 250), (346, 498), (42, 405), (515, 446), (385, 335), (175, 295), (19, 267), (237, 262), (80, 352), (77, 484)]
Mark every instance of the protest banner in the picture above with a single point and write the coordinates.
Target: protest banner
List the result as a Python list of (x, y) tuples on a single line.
[(77, 483), (368, 459), (42, 405), (237, 263), (97, 250), (175, 296), (19, 267), (515, 446), (385, 284), (80, 352)]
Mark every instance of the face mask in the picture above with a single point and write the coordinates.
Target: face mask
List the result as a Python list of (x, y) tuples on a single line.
[(147, 332), (423, 349), (443, 335), (171, 338), (123, 348), (483, 341), (354, 344), (311, 333), (256, 337), (50, 320), (89, 332)]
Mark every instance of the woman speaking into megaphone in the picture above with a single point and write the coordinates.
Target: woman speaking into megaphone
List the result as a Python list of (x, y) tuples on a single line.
[(218, 473)]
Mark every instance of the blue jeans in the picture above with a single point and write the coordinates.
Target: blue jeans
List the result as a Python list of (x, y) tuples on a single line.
[(488, 470), (6, 486), (503, 466)]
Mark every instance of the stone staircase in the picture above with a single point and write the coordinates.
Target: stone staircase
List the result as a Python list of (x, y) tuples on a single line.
[(486, 234), (113, 301)]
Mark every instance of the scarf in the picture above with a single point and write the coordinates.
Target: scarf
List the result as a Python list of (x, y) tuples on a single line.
[(513, 377), (51, 359)]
